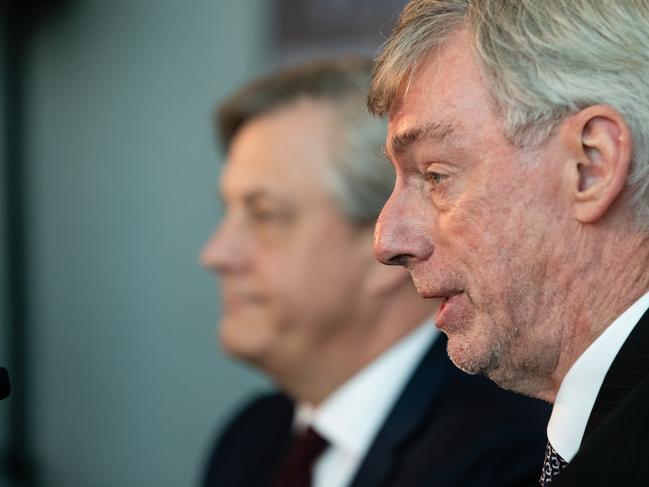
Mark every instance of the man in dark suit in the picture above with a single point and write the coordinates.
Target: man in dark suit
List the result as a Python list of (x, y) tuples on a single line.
[(368, 397), (519, 131)]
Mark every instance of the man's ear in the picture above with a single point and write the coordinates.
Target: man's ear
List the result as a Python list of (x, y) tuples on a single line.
[(600, 148)]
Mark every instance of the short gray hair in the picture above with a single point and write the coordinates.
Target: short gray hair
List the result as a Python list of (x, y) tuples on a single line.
[(543, 60), (360, 177)]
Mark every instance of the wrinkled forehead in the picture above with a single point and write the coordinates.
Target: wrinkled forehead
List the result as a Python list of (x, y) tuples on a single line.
[(441, 96), (451, 60)]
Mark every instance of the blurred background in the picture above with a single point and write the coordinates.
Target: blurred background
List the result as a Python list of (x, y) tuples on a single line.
[(108, 185)]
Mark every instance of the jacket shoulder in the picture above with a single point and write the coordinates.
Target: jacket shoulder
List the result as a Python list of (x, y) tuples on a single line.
[(256, 436)]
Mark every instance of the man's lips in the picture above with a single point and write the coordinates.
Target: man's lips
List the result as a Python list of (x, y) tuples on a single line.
[(448, 308), (444, 295), (236, 300)]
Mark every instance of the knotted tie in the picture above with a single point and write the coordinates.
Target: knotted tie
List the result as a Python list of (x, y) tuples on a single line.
[(552, 465), (296, 469)]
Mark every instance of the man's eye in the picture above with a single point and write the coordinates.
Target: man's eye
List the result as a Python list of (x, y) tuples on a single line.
[(436, 179), (269, 216), (264, 216)]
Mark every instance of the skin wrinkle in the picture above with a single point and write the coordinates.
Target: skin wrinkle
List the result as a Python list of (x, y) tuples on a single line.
[(513, 296), (499, 230), (431, 132), (546, 265)]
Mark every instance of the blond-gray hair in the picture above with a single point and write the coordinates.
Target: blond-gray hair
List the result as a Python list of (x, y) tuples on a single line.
[(359, 176), (543, 60)]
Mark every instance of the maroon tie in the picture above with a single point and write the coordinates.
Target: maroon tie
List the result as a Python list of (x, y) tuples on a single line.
[(296, 469)]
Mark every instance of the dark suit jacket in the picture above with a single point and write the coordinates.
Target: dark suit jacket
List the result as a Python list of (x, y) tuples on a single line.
[(446, 429), (615, 449)]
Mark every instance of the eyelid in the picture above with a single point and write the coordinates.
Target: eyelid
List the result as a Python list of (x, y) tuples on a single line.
[(270, 215), (263, 206), (263, 213), (436, 174), (432, 177)]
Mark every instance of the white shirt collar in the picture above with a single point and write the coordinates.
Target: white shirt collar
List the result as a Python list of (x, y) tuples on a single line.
[(351, 417), (581, 384)]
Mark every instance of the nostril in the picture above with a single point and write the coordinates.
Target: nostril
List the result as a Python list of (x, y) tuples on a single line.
[(400, 259)]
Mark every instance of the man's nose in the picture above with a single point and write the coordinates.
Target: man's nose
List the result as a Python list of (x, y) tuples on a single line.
[(209, 252), (402, 232), (224, 251)]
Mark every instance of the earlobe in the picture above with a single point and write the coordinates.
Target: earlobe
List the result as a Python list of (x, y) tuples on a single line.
[(601, 151)]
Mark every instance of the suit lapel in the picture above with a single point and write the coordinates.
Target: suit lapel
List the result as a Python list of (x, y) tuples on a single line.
[(272, 441), (630, 367), (409, 412)]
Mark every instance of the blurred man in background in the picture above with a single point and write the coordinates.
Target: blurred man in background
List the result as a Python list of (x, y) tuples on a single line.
[(368, 396)]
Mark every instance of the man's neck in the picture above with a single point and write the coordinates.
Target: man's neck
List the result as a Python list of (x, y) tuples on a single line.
[(337, 361), (616, 279)]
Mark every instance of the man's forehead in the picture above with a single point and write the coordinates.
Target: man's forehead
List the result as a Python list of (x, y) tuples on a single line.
[(260, 180), (420, 115), (441, 100), (454, 54), (402, 138), (246, 180)]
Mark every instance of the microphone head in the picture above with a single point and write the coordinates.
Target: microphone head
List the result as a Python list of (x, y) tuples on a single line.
[(5, 385)]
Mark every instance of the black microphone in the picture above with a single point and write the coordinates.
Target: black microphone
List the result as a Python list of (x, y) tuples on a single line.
[(5, 385)]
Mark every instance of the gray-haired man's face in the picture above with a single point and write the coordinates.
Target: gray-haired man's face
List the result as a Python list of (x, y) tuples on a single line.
[(476, 221), (290, 265)]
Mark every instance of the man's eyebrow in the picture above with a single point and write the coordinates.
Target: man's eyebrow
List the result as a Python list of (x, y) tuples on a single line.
[(260, 196), (253, 197), (430, 131)]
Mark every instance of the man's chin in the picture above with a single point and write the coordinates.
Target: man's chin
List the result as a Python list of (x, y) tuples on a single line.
[(246, 353), (240, 340), (469, 357), (464, 365), (491, 366)]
